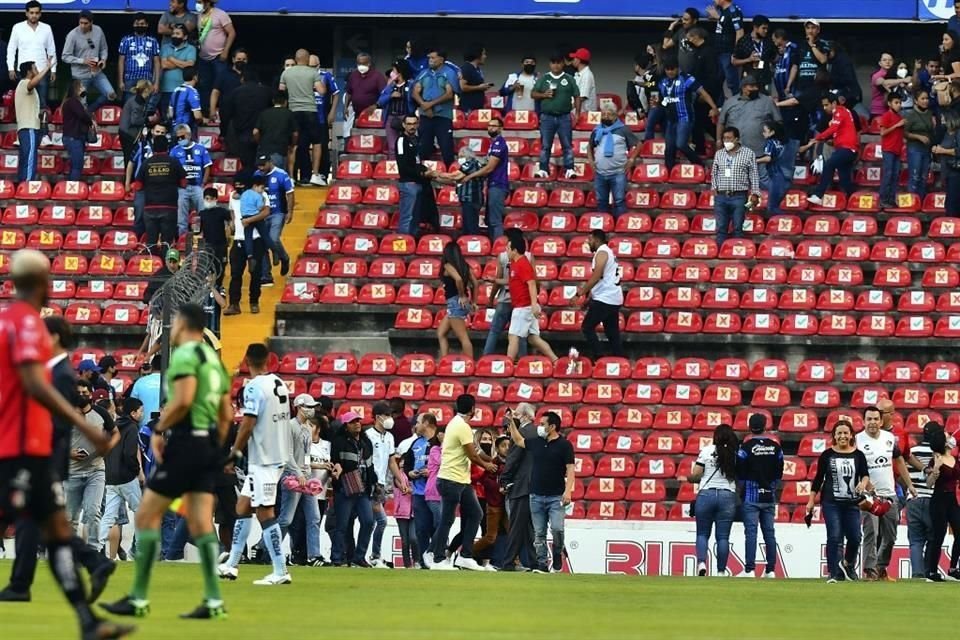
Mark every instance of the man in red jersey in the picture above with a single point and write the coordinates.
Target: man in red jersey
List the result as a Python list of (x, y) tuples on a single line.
[(842, 134), (525, 318), (27, 482)]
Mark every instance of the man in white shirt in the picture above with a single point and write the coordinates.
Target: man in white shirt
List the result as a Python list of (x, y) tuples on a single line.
[(883, 456), (239, 260), (585, 81), (32, 41), (385, 464), (518, 88), (605, 297)]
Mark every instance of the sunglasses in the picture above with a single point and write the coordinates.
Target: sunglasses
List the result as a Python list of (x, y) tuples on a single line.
[(90, 42), (181, 137)]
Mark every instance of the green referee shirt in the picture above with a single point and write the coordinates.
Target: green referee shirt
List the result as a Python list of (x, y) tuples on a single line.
[(198, 360), (564, 91)]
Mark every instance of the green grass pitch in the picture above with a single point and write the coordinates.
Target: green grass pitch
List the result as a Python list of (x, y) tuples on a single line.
[(422, 605)]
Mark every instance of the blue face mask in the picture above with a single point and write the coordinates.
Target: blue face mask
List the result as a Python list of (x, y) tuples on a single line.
[(183, 143)]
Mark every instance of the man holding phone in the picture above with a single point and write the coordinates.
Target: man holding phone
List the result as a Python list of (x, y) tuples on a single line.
[(472, 83)]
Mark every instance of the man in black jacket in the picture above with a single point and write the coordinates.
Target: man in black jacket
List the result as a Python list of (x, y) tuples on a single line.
[(414, 177), (124, 472), (759, 468), (516, 481), (161, 178), (239, 114), (28, 533), (706, 70)]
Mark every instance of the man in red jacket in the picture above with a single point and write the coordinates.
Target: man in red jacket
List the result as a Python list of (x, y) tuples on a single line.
[(846, 145)]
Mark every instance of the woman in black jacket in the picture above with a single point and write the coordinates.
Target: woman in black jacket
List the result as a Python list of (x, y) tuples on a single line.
[(134, 117), (77, 123)]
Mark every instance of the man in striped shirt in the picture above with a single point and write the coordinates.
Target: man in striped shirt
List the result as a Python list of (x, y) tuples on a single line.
[(678, 92), (918, 509), (735, 181)]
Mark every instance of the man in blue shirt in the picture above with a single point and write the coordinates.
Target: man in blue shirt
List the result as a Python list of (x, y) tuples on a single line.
[(677, 94), (142, 150), (326, 111), (139, 60), (279, 190), (433, 92), (196, 163), (147, 388), (185, 102), (175, 57)]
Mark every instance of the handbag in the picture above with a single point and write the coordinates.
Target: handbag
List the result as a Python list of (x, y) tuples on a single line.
[(352, 483), (92, 136), (693, 504)]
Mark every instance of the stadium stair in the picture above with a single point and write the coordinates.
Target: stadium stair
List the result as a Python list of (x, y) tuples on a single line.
[(238, 331)]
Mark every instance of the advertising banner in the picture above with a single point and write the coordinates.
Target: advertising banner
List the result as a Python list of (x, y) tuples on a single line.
[(935, 9)]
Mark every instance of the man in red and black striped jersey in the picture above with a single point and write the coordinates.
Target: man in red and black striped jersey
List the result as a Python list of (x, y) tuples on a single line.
[(28, 485)]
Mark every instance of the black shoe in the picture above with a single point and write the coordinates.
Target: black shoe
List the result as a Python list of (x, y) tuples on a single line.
[(284, 266), (121, 554), (99, 578), (363, 564), (850, 573), (935, 577), (953, 575), (125, 606), (9, 595), (106, 629), (317, 562), (206, 612)]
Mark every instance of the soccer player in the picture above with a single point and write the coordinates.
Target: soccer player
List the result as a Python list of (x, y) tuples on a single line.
[(198, 414), (266, 411), (28, 486)]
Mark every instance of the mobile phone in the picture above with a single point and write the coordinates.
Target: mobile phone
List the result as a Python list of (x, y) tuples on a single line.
[(808, 519)]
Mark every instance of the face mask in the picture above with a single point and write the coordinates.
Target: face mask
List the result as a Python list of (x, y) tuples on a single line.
[(209, 204), (951, 443), (493, 134), (140, 99), (81, 401), (901, 73), (387, 423), (729, 146), (309, 413), (183, 143), (607, 123), (542, 432), (176, 41), (486, 447), (753, 95), (529, 69), (362, 68), (240, 65), (139, 30)]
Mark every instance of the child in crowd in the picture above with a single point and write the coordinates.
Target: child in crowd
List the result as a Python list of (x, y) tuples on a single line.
[(772, 157), (216, 225), (891, 141), (214, 302), (254, 209)]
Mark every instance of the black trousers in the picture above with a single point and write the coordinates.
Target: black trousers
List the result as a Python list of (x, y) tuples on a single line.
[(324, 131), (520, 536), (161, 225), (943, 511), (609, 316), (28, 543), (239, 263), (219, 251)]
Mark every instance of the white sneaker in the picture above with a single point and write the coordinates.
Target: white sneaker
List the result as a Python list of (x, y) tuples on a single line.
[(378, 563), (725, 574), (468, 564), (222, 558), (770, 575), (227, 572), (274, 579), (318, 180), (702, 569), (815, 200), (570, 174), (745, 574), (540, 173), (428, 558), (489, 567), (46, 141), (445, 565)]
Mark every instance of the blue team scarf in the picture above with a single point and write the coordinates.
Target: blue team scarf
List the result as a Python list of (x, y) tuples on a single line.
[(605, 135)]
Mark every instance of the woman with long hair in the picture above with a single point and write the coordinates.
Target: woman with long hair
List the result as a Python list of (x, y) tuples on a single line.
[(396, 101), (842, 477), (459, 285), (716, 503), (943, 479), (949, 159), (950, 56), (76, 124)]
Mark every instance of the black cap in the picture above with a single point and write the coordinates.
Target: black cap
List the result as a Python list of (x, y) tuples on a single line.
[(325, 403), (381, 409), (757, 423), (750, 79), (263, 159)]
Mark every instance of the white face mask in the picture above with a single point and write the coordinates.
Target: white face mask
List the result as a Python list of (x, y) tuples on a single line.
[(542, 432), (901, 72), (308, 413), (362, 68), (209, 203), (387, 423), (951, 443), (729, 146)]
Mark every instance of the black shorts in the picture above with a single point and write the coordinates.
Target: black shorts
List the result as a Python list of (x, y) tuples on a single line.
[(308, 126), (28, 487), (191, 464)]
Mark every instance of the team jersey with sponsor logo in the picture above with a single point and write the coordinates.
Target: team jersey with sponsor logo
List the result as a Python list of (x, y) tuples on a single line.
[(267, 399), (880, 453)]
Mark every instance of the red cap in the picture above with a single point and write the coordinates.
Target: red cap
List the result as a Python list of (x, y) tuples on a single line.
[(581, 54)]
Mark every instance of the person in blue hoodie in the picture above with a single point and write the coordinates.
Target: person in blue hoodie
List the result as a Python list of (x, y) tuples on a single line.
[(396, 101)]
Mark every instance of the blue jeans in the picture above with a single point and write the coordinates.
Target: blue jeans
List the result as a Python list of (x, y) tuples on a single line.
[(426, 517), (84, 492), (496, 204), (190, 199), (788, 159), (715, 507), (289, 500), (453, 495), (344, 507), (727, 209), (168, 526), (119, 496), (104, 90), (840, 161), (766, 513), (501, 316), (919, 527), (655, 117), (27, 154), (951, 184), (379, 527), (615, 184), (544, 509), (470, 212), (75, 149), (551, 126), (918, 164), (440, 129), (843, 521), (889, 177), (409, 207), (210, 71), (274, 223), (677, 138), (778, 185), (730, 73)]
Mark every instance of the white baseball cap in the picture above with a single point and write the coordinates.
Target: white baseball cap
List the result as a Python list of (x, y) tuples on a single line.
[(304, 400)]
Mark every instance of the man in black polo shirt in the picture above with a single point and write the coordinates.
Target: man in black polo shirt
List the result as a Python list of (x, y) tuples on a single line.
[(276, 132), (239, 113), (161, 178), (729, 19), (756, 54), (812, 56), (551, 485)]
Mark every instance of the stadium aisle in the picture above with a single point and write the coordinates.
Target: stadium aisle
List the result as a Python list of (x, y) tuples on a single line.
[(238, 331)]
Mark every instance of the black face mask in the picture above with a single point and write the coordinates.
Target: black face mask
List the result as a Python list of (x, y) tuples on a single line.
[(176, 41), (139, 30), (493, 134), (240, 66), (607, 123), (486, 447), (81, 401), (529, 69), (140, 99), (752, 95)]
